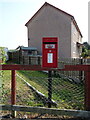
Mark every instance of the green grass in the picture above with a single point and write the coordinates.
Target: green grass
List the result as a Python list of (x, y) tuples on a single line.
[(36, 79), (24, 96), (5, 87), (66, 94)]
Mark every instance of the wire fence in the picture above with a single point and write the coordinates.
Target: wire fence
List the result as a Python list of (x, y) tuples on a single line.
[(66, 88), (75, 76), (34, 89), (63, 89), (65, 94)]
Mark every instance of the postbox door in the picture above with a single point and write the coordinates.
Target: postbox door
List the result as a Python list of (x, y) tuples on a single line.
[(49, 55)]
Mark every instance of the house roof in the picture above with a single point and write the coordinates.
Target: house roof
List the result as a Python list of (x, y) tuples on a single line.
[(28, 48), (72, 17), (25, 48)]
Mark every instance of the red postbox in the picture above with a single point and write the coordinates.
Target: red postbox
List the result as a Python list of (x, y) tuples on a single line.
[(50, 52)]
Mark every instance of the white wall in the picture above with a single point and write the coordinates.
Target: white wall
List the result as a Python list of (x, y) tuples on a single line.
[(51, 23), (75, 37)]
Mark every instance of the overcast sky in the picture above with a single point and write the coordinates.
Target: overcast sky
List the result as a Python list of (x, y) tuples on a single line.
[(15, 13)]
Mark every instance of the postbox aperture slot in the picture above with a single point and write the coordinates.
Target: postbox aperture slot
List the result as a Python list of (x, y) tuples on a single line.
[(49, 42), (50, 46)]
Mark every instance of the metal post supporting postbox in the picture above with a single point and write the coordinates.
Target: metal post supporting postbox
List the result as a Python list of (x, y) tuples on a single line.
[(49, 88), (13, 90)]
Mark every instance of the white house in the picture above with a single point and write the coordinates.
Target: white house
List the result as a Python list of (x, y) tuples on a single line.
[(50, 21)]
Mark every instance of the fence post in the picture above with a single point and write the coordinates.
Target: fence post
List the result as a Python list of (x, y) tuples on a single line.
[(87, 89), (29, 60), (39, 60), (81, 72), (49, 88), (23, 60), (13, 90)]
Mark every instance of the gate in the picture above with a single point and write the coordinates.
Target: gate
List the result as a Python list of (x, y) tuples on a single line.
[(13, 107)]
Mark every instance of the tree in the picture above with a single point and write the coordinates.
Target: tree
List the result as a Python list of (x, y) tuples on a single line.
[(85, 50), (2, 54)]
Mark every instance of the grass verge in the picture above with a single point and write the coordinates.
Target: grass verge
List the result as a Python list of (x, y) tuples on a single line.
[(67, 95)]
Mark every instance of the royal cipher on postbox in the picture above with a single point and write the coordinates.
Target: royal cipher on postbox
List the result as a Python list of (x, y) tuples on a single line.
[(50, 52)]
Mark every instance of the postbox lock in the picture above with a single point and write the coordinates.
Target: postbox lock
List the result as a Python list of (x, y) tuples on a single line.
[(50, 51)]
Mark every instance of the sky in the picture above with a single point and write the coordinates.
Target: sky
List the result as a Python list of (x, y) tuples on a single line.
[(15, 13)]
